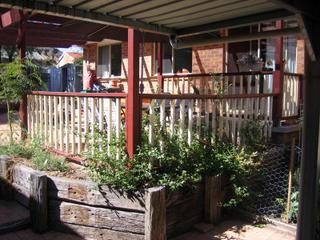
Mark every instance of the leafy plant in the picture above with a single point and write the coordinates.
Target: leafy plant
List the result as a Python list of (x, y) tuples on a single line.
[(16, 81), (251, 135), (40, 158), (43, 160), (173, 163), (16, 150)]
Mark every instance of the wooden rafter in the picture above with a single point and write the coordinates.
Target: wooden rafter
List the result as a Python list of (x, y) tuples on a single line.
[(235, 22), (89, 16), (82, 3), (311, 34), (307, 8)]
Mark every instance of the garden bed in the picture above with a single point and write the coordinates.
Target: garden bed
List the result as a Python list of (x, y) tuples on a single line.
[(101, 212)]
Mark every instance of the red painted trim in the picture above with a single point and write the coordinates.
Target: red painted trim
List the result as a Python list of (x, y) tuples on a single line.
[(133, 103), (77, 94), (23, 110), (217, 74), (11, 17), (300, 93), (69, 157), (293, 74), (278, 77), (290, 117), (160, 66), (205, 96)]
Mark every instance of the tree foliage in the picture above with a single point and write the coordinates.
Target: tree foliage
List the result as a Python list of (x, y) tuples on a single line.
[(16, 81)]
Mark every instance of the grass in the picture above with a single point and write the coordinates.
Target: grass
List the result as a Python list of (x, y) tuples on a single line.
[(40, 158), (16, 150)]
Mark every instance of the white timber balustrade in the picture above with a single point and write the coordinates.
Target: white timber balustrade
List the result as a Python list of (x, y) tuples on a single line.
[(192, 116), (291, 95), (217, 83), (66, 122)]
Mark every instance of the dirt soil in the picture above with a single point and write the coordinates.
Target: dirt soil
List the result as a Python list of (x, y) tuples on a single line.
[(74, 171)]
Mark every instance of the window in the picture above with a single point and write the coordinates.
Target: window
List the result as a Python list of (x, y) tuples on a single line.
[(109, 61), (167, 58), (183, 60), (174, 60)]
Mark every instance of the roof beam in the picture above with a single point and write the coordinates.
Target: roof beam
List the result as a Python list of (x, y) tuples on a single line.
[(152, 8), (311, 34), (306, 8), (104, 5), (11, 17), (81, 3), (129, 6), (239, 38), (235, 22), (75, 13)]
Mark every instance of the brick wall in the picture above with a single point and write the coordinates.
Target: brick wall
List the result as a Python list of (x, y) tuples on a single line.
[(300, 56), (89, 58), (147, 60), (207, 59)]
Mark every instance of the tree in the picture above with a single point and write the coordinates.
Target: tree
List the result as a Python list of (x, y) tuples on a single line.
[(16, 81), (11, 52)]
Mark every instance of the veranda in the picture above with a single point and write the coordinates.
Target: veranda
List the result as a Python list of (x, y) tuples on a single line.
[(65, 118)]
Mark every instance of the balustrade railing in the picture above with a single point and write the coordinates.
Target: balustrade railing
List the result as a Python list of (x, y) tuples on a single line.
[(231, 83), (197, 105), (208, 115), (67, 121), (291, 95)]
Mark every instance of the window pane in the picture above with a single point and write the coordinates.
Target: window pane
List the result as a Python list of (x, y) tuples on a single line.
[(167, 58), (116, 60), (183, 60), (103, 62)]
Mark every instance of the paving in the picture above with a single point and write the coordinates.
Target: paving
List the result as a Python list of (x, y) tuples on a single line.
[(228, 230), (240, 230), (13, 217)]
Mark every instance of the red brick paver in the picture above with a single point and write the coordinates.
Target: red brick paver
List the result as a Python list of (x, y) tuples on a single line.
[(240, 230), (228, 230)]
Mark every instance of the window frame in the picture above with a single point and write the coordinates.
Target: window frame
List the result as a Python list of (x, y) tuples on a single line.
[(109, 63), (154, 59)]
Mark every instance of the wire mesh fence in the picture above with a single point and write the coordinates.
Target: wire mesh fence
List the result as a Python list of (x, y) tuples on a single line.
[(275, 186)]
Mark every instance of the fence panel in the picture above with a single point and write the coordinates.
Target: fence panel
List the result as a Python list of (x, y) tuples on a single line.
[(206, 116), (291, 95), (65, 121)]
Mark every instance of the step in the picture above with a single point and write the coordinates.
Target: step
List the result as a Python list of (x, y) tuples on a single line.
[(13, 216)]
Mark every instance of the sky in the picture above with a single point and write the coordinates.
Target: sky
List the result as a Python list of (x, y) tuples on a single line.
[(72, 49)]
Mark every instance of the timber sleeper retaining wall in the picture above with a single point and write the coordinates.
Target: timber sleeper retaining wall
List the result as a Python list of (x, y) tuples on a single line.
[(101, 212)]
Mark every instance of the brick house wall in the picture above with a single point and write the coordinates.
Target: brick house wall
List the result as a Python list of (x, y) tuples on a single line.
[(205, 59), (208, 59), (89, 58), (300, 56)]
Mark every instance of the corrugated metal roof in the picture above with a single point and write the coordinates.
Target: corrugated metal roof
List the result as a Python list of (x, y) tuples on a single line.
[(166, 16), (173, 13)]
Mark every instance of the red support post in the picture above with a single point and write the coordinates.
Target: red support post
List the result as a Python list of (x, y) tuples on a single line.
[(133, 105), (21, 45), (278, 76), (160, 66)]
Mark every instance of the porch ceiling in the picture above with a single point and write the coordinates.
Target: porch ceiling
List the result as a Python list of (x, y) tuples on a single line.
[(168, 17), (180, 18)]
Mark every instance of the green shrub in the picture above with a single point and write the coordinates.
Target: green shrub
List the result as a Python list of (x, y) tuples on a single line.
[(174, 164), (251, 135), (45, 161), (16, 150), (40, 158)]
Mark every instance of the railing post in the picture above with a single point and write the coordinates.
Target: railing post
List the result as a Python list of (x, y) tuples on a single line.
[(278, 77), (133, 105), (160, 67), (21, 45), (155, 216)]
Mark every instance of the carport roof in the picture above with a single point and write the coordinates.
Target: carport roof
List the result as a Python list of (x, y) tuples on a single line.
[(180, 17), (169, 17)]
